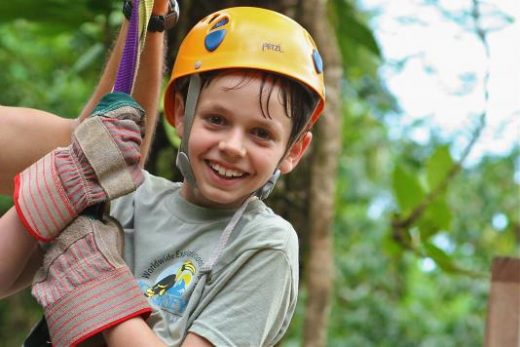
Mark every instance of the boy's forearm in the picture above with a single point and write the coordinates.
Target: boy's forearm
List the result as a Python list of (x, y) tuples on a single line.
[(132, 333), (135, 333)]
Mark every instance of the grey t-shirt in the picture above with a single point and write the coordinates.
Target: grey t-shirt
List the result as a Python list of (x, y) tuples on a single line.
[(249, 295)]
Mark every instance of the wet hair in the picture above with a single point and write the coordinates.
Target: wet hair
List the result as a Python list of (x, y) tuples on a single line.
[(298, 100)]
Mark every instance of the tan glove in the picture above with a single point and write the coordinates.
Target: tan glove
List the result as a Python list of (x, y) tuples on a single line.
[(102, 163), (84, 285)]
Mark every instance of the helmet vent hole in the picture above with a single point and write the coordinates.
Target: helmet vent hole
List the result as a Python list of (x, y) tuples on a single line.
[(212, 18), (220, 23)]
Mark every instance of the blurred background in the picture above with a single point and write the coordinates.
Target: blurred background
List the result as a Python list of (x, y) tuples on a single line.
[(413, 183)]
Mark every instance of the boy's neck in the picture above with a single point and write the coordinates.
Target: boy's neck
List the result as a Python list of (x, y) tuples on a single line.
[(194, 196)]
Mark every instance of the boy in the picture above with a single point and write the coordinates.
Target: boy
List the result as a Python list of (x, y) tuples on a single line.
[(217, 266)]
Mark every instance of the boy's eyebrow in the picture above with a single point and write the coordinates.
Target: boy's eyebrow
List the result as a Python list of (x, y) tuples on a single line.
[(272, 125), (216, 107)]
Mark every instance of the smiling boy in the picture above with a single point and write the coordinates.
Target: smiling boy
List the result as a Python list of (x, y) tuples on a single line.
[(217, 265), (244, 114)]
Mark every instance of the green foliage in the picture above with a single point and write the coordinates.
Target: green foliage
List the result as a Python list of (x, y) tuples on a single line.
[(18, 314), (5, 203), (407, 189), (171, 134), (58, 15), (354, 33), (438, 166), (40, 68), (430, 290)]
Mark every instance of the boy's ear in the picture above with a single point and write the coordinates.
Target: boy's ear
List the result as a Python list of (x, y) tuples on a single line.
[(179, 114), (295, 153)]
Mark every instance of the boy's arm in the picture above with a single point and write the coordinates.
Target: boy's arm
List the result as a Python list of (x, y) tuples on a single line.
[(135, 332)]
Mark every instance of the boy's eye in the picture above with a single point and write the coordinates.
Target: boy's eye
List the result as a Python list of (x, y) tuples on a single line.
[(215, 119), (262, 133)]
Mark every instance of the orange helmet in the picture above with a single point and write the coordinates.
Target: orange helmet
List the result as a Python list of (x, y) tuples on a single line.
[(248, 37)]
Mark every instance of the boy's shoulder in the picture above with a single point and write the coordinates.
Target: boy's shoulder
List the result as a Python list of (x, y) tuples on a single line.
[(149, 193), (261, 225), (262, 234)]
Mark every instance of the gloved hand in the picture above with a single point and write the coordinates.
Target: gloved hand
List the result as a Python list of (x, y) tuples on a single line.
[(102, 163), (84, 286)]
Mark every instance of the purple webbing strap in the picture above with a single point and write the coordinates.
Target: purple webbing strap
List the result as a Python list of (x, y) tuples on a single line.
[(126, 72)]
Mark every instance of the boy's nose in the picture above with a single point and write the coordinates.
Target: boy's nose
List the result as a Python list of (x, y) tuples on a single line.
[(233, 144)]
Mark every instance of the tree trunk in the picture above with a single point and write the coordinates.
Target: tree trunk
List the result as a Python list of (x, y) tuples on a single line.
[(323, 177)]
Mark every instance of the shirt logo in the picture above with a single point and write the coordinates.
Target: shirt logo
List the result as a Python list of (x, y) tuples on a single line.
[(170, 288)]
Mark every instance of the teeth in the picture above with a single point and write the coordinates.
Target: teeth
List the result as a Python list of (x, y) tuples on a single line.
[(226, 172)]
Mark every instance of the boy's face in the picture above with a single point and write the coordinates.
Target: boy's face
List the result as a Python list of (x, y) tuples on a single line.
[(233, 148)]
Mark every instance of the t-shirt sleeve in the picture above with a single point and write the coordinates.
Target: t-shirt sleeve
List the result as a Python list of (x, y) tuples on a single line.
[(122, 209), (254, 306)]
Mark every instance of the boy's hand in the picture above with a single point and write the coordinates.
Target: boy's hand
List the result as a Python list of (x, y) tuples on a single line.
[(84, 285), (101, 164)]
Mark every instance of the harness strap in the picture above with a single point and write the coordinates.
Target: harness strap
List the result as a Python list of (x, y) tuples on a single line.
[(134, 45), (224, 237), (128, 65)]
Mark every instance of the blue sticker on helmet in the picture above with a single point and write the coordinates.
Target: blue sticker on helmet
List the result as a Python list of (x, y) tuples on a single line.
[(214, 39), (318, 62)]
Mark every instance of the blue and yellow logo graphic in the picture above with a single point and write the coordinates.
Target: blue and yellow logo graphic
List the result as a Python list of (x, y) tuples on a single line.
[(172, 288)]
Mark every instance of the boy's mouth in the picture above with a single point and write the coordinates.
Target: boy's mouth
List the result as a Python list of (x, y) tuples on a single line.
[(225, 172)]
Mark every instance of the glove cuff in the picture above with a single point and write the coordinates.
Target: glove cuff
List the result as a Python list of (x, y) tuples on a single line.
[(105, 157), (40, 200), (97, 306)]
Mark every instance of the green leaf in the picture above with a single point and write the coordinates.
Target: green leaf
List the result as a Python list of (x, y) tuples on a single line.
[(441, 258), (440, 211), (407, 189), (438, 166), (437, 217), (353, 29), (446, 262)]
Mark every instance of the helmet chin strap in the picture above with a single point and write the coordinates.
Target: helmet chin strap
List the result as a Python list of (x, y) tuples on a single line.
[(183, 160), (267, 188)]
